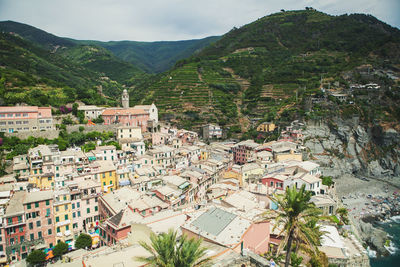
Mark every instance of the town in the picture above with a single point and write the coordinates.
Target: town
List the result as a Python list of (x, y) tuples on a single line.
[(161, 178)]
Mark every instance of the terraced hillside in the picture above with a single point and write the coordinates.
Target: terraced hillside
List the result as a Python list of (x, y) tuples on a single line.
[(267, 69)]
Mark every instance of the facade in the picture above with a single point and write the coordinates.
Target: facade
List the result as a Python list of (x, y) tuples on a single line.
[(63, 215), (126, 117), (244, 151), (38, 208), (15, 228), (91, 112), (212, 131), (266, 127), (125, 99), (25, 118)]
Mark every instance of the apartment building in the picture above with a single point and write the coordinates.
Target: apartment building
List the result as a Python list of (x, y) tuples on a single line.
[(25, 118), (62, 215), (38, 207)]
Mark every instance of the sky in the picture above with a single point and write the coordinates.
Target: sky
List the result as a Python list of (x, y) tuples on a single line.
[(169, 20)]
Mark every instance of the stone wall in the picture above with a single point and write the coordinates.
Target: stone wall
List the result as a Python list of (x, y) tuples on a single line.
[(92, 128), (49, 134)]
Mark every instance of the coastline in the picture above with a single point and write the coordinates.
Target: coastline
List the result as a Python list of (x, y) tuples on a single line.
[(370, 203)]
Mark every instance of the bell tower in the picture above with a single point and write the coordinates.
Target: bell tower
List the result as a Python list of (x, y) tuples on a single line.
[(125, 99)]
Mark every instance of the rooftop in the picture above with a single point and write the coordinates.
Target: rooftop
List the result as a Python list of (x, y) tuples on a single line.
[(38, 196)]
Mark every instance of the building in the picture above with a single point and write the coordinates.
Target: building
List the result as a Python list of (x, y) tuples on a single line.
[(212, 131), (266, 127), (125, 99), (221, 227), (105, 173), (63, 215), (15, 228), (244, 151), (126, 117), (91, 112), (25, 118), (38, 208)]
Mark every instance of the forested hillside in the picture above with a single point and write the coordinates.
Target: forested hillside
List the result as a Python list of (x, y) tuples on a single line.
[(269, 68)]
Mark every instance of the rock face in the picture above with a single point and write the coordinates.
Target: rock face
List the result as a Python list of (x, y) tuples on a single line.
[(347, 145), (375, 237)]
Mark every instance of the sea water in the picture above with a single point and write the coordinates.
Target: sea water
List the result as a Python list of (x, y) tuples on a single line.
[(392, 227)]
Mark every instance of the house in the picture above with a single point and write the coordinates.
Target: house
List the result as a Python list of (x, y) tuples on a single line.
[(25, 118), (244, 151), (62, 215), (91, 112), (126, 117), (266, 127), (211, 131), (219, 226), (15, 228)]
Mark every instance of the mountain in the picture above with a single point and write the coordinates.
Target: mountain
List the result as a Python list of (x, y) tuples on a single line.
[(154, 57), (271, 68), (31, 74), (126, 57)]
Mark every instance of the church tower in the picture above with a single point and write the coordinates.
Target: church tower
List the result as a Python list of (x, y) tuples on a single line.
[(125, 99)]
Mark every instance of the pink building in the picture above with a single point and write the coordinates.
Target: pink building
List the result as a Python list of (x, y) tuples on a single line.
[(126, 117), (25, 118), (38, 208)]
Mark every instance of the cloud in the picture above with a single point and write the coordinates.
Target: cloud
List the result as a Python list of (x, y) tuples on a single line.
[(153, 20)]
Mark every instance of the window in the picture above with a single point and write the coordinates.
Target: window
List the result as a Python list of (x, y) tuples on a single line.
[(32, 236), (73, 205), (78, 205), (49, 232), (79, 214), (57, 209), (39, 234), (96, 208), (9, 115), (87, 201), (30, 226), (73, 215), (25, 115), (47, 202), (9, 220), (20, 219), (21, 229), (65, 197), (65, 207), (49, 221), (67, 227), (88, 210), (58, 229), (66, 216), (104, 175), (38, 223), (57, 219)]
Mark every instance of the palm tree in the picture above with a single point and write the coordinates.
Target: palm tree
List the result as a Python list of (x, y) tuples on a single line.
[(167, 251), (298, 217)]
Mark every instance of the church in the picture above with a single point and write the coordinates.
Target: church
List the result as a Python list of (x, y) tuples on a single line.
[(143, 116)]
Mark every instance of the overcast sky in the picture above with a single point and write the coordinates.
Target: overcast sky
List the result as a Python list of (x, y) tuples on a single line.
[(153, 20)]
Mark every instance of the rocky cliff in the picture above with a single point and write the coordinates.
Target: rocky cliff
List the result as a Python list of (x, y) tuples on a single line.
[(347, 147)]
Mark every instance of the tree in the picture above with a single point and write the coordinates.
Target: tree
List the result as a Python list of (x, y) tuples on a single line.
[(83, 241), (36, 257), (60, 249), (167, 251), (297, 215)]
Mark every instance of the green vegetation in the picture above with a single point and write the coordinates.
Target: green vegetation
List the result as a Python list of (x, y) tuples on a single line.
[(327, 180), (167, 251), (267, 69), (83, 241), (298, 217), (60, 249), (14, 146), (36, 257)]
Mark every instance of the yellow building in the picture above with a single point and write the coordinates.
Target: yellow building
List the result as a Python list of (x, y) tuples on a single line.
[(266, 127), (63, 215), (251, 171), (204, 154), (106, 174), (42, 181)]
